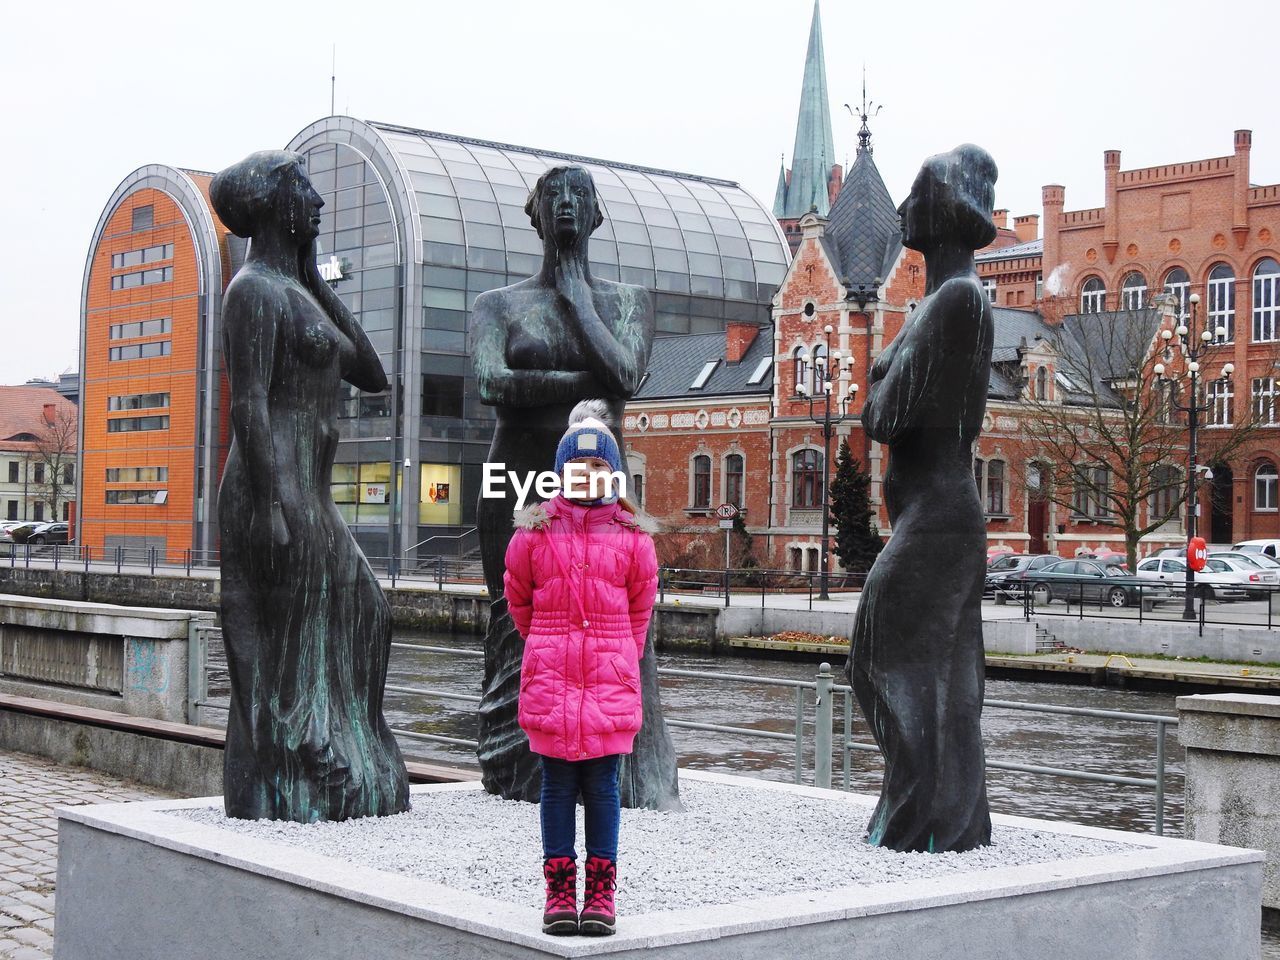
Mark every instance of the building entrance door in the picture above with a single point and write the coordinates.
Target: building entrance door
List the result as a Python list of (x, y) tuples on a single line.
[(1038, 525), (1221, 493)]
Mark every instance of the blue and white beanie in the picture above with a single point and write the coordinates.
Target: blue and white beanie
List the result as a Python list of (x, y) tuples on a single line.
[(588, 437)]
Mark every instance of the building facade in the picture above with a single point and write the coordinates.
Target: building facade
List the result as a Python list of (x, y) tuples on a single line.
[(37, 454)]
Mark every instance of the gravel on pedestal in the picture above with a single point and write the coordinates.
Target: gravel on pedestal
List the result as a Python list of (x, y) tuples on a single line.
[(731, 843)]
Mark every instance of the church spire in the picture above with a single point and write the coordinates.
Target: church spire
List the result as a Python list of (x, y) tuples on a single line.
[(814, 154)]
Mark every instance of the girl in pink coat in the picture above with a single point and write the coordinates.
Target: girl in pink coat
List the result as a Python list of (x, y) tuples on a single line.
[(581, 577)]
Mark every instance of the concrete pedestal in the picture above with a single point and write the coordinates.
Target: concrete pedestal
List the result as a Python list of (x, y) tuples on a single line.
[(1233, 775), (141, 882)]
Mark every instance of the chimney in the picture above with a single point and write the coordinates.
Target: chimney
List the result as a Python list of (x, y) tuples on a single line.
[(50, 413), (1240, 188), (1001, 218), (738, 337), (1052, 199), (1111, 217), (1027, 227), (834, 184)]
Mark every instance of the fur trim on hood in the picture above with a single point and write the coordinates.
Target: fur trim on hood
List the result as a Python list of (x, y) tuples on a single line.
[(531, 517), (640, 520)]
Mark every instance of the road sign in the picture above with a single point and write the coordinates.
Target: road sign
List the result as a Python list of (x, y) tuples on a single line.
[(726, 524), (726, 511)]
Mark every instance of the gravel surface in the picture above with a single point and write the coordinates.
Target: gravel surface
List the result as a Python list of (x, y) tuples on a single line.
[(730, 844)]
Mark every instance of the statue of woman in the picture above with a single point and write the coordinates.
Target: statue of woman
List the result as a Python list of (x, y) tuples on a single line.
[(538, 347), (916, 659), (306, 626)]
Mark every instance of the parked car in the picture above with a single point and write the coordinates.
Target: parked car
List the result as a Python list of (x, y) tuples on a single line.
[(1269, 547), (1107, 557), (24, 530), (1076, 580), (1004, 575), (1261, 560), (58, 532), (1263, 578), (1217, 581), (5, 527)]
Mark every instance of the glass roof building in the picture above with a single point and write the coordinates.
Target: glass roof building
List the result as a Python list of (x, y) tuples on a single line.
[(417, 224)]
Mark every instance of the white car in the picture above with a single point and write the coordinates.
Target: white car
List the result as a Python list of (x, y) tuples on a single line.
[(1217, 581), (1269, 547), (1261, 574)]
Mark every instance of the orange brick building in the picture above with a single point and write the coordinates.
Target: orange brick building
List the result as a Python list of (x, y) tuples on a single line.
[(153, 425)]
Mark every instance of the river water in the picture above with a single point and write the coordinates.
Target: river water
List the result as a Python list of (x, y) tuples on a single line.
[(1094, 744)]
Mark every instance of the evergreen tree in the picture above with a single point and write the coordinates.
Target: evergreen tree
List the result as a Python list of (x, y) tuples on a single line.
[(857, 539)]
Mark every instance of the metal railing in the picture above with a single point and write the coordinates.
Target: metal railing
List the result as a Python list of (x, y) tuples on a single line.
[(825, 741)]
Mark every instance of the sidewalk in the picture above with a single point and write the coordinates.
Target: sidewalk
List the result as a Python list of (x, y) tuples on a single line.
[(31, 788)]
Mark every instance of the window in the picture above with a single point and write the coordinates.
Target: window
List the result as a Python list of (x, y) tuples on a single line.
[(1089, 498), (995, 487), (1178, 283), (819, 384), (442, 396), (138, 401), (704, 375), (1222, 301), (701, 482), (733, 477), (137, 474), (806, 479), (39, 510), (1133, 291), (68, 473), (1042, 383), (11, 510), (142, 351), (136, 496), (13, 472), (1039, 286), (1093, 296), (1167, 492), (1266, 300), (799, 365), (757, 375), (1264, 400), (142, 278), (989, 288), (141, 328), (144, 217), (637, 489), (135, 424), (38, 473), (1264, 487), (1219, 395), (134, 258)]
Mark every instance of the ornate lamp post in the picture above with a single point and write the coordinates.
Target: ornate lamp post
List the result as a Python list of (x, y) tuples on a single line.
[(1193, 349), (826, 381)]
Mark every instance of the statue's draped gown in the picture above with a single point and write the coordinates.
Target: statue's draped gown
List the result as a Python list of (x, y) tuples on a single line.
[(916, 661), (306, 737)]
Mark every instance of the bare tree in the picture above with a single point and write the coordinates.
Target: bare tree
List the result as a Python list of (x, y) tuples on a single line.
[(51, 459), (1105, 437)]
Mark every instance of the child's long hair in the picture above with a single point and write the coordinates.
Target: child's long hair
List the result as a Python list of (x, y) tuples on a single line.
[(599, 410)]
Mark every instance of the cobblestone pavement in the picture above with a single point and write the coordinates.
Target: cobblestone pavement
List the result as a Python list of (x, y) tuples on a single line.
[(30, 789)]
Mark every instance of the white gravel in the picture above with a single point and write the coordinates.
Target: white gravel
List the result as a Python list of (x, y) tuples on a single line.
[(730, 844)]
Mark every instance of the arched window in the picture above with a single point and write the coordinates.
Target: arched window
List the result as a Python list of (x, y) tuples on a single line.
[(1166, 492), (1222, 302), (701, 482), (1178, 283), (806, 479), (1133, 291), (800, 367), (1264, 486), (637, 489), (1042, 383), (733, 477), (1266, 301), (1093, 296), (977, 475), (819, 369)]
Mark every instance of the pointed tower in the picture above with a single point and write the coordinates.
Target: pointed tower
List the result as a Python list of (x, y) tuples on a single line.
[(814, 175)]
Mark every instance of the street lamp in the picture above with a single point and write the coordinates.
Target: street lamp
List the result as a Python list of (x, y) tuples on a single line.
[(826, 381), (1194, 349)]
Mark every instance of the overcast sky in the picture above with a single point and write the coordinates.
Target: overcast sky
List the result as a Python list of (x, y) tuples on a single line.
[(93, 91)]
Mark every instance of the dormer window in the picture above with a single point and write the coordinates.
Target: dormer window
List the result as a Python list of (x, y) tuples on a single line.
[(704, 375), (1042, 383), (758, 374)]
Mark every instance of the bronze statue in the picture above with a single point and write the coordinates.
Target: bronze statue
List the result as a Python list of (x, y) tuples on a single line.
[(916, 659), (306, 626), (538, 347)]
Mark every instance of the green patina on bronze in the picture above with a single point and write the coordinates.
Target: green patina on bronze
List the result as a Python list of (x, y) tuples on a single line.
[(305, 623)]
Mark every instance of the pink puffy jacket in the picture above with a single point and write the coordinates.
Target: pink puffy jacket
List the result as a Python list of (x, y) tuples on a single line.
[(580, 584)]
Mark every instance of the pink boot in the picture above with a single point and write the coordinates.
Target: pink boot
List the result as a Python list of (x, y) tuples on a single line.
[(560, 915), (597, 919)]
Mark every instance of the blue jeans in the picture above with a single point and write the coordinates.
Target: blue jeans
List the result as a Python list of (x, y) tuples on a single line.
[(597, 779)]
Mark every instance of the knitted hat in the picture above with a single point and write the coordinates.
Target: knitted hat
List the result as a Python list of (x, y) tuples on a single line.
[(588, 437)]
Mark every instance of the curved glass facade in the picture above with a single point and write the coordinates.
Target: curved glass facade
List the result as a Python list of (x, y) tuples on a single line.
[(417, 224)]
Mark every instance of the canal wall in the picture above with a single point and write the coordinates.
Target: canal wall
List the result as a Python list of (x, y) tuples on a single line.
[(1169, 638)]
